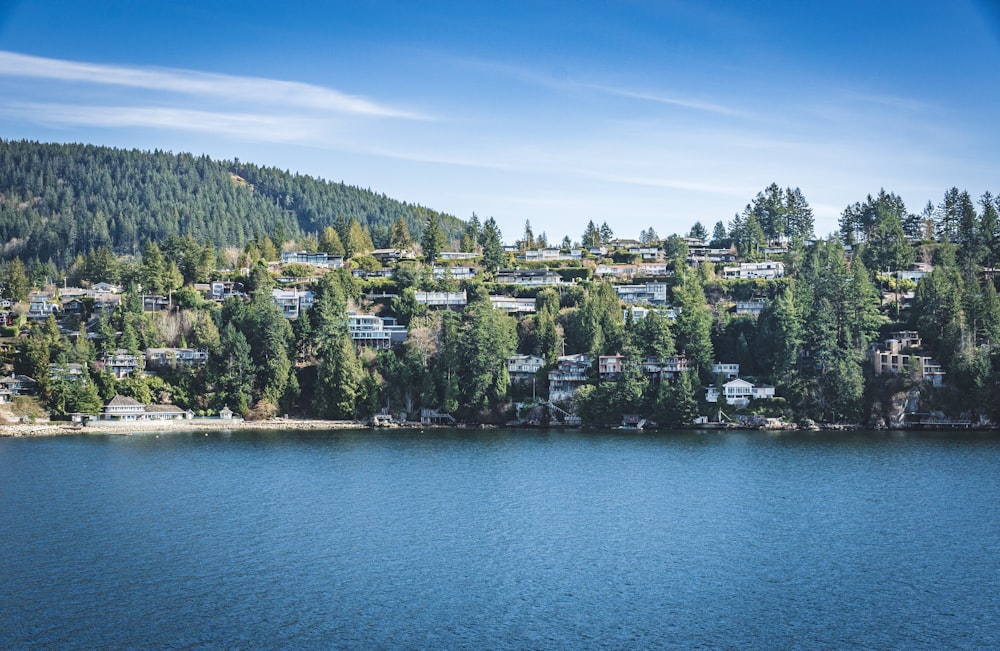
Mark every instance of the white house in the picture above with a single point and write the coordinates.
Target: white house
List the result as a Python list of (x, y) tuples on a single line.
[(739, 392), (318, 259), (292, 302), (765, 270), (374, 331), (513, 305), (123, 409), (442, 299)]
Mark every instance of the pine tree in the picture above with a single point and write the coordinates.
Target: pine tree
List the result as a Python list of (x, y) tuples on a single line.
[(329, 242), (15, 286), (432, 241), (399, 237), (676, 404)]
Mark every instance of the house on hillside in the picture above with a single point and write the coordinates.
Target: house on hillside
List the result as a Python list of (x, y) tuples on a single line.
[(746, 270), (528, 277), (726, 370), (610, 366), (753, 307), (292, 302), (374, 331), (513, 305), (900, 353), (650, 293), (13, 386), (454, 273), (176, 357), (119, 363), (69, 372), (571, 373), (443, 299), (318, 259), (154, 303), (522, 368)]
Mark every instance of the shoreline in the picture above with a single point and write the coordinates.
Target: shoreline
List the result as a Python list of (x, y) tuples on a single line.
[(27, 430), (97, 427)]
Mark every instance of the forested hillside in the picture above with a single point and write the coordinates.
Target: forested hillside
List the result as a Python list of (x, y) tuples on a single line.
[(57, 201)]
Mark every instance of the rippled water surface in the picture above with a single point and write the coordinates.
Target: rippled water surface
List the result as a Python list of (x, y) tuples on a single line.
[(516, 540)]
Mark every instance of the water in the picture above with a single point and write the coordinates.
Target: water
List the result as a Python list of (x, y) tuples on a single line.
[(500, 540)]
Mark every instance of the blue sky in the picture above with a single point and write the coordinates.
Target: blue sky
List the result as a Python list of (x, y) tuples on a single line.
[(642, 114)]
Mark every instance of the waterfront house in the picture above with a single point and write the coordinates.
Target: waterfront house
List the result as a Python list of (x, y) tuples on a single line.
[(738, 392), (900, 353), (522, 368), (571, 373), (123, 409)]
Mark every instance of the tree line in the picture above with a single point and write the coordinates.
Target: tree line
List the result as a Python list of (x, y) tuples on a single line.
[(58, 201)]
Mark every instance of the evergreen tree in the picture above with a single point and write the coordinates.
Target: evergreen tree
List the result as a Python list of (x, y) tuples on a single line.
[(528, 239), (153, 271), (432, 241), (591, 236), (399, 237), (492, 243), (488, 340), (233, 369), (694, 323), (329, 242), (720, 238), (698, 231), (339, 378), (989, 229), (15, 285), (606, 234), (676, 404), (472, 235), (359, 242)]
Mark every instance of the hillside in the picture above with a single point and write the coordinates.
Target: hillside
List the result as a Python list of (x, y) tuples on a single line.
[(57, 201)]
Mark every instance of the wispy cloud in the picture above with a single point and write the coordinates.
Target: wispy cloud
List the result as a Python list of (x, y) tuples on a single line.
[(680, 102), (289, 94), (560, 80), (269, 128)]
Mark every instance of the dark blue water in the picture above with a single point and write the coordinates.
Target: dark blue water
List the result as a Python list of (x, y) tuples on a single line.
[(516, 540)]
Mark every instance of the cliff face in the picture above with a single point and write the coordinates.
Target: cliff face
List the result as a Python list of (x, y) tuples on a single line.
[(889, 410)]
